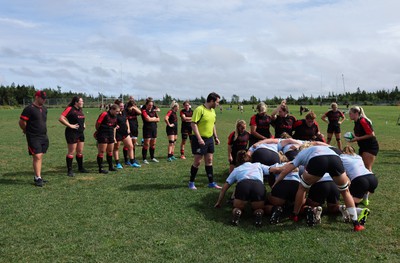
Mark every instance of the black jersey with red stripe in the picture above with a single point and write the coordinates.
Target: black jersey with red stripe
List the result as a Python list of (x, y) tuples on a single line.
[(121, 122), (364, 127), (263, 123), (131, 114), (240, 143), (74, 116), (303, 132), (36, 118), (172, 117), (146, 113), (187, 113), (334, 116), (284, 124), (107, 123)]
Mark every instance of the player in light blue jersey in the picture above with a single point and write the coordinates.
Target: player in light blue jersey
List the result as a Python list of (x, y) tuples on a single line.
[(283, 194), (250, 187), (319, 160), (363, 181)]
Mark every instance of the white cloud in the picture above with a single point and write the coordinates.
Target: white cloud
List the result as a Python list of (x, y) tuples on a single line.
[(189, 48), (4, 21)]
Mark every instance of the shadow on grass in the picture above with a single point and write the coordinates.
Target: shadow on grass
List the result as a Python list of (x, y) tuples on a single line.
[(387, 156), (6, 181)]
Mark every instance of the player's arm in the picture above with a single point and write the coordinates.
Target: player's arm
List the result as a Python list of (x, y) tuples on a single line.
[(22, 124), (342, 118), (323, 118), (128, 126), (222, 195), (287, 168), (255, 133), (215, 135)]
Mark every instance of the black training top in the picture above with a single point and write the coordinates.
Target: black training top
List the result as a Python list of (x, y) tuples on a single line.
[(35, 118)]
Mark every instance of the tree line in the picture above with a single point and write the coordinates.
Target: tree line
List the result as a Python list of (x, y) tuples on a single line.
[(16, 95)]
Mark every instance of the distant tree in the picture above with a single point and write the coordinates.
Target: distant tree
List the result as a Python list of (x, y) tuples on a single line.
[(167, 99), (253, 100), (223, 100), (235, 99)]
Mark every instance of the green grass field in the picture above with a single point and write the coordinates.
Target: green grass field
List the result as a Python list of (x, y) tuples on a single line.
[(149, 214)]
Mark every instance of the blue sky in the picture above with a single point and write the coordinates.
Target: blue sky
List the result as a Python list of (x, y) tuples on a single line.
[(189, 48)]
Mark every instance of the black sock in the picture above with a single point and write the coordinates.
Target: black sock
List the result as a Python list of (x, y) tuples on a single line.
[(193, 173), (69, 163), (100, 162), (125, 151), (79, 160), (109, 161), (152, 150), (144, 153), (116, 162), (209, 172)]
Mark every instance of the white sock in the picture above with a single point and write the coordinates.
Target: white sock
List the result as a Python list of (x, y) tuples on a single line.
[(365, 197), (353, 213), (37, 177)]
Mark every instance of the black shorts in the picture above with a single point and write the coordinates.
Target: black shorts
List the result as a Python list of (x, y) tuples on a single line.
[(171, 130), (362, 184), (372, 149), (107, 138), (285, 189), (134, 128), (250, 190), (265, 156), (121, 135), (322, 164), (292, 154), (149, 133), (202, 149), (37, 145), (333, 128), (324, 191), (74, 136), (186, 130)]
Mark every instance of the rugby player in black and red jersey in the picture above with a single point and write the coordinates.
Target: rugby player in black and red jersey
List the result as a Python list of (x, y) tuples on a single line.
[(307, 129), (259, 124), (123, 135), (364, 136), (106, 125), (186, 128), (150, 119), (132, 112), (33, 124), (282, 121), (74, 120), (334, 118), (171, 121), (237, 140)]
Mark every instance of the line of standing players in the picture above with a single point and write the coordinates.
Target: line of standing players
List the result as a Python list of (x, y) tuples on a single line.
[(119, 123)]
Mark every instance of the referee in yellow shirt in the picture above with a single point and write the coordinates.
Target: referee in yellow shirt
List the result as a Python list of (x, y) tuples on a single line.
[(204, 135)]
